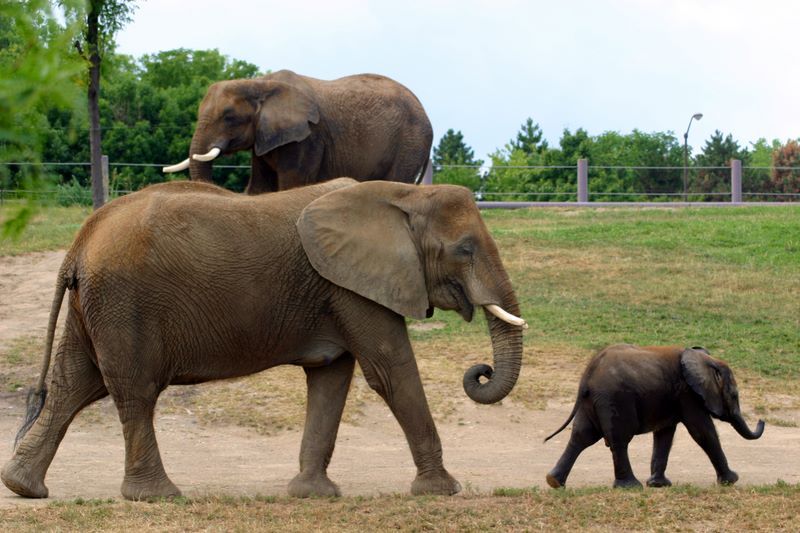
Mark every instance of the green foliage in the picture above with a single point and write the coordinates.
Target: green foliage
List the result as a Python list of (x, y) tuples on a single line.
[(34, 73), (756, 178), (529, 138), (454, 162), (148, 109), (608, 154), (713, 174), (786, 168)]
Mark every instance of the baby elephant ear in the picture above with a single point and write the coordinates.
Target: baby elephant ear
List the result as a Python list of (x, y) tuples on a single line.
[(702, 374)]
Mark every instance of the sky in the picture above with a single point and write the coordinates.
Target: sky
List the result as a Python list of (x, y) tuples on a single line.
[(483, 67)]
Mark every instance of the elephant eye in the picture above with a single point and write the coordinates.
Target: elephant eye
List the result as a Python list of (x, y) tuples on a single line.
[(465, 248)]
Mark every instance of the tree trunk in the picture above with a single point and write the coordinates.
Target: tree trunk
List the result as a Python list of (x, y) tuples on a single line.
[(96, 150)]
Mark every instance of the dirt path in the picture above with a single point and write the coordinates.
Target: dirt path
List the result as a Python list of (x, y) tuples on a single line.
[(489, 446)]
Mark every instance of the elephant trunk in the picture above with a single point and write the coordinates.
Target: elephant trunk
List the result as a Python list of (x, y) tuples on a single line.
[(741, 428), (507, 348), (199, 170)]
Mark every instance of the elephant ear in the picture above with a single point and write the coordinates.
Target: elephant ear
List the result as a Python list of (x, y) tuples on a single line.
[(284, 117), (360, 239), (703, 376)]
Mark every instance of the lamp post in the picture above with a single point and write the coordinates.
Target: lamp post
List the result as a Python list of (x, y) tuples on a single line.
[(696, 116)]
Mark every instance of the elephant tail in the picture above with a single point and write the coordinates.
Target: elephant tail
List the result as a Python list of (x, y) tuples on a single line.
[(569, 419), (37, 395)]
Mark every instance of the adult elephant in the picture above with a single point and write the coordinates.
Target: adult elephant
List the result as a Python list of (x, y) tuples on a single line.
[(302, 130), (627, 390), (184, 282)]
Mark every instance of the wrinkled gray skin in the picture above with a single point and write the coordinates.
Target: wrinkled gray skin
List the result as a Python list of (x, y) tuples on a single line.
[(302, 130), (185, 282), (627, 390)]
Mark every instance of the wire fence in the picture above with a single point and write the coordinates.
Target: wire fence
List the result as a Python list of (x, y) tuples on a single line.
[(578, 183)]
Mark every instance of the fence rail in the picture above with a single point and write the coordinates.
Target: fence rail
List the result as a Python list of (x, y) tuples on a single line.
[(581, 193)]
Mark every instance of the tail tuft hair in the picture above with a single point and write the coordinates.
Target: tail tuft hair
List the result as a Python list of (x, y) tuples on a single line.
[(33, 409)]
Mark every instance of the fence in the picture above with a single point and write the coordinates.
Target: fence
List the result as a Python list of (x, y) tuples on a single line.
[(577, 192)]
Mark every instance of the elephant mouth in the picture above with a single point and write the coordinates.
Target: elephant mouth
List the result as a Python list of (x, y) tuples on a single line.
[(463, 306)]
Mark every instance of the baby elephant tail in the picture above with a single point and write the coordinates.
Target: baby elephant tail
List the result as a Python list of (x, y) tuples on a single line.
[(566, 423)]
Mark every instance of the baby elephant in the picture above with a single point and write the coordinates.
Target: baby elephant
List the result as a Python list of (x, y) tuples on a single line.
[(627, 390)]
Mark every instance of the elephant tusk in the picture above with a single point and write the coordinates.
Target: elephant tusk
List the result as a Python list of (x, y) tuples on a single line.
[(211, 155), (183, 165), (505, 316)]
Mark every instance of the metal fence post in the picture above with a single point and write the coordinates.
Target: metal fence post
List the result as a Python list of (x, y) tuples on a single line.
[(104, 167), (736, 181), (583, 180)]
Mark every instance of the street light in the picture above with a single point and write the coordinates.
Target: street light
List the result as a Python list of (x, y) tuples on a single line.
[(696, 116)]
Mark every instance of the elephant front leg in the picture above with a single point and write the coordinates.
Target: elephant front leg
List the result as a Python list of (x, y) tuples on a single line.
[(702, 430), (662, 443), (327, 392), (396, 378)]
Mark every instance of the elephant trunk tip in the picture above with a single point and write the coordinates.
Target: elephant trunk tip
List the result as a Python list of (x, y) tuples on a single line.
[(759, 429), (472, 383), (741, 428)]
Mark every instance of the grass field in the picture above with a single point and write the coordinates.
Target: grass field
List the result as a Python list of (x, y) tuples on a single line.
[(678, 509), (724, 278)]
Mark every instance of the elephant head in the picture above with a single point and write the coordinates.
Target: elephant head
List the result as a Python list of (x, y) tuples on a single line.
[(713, 381), (259, 114), (414, 248)]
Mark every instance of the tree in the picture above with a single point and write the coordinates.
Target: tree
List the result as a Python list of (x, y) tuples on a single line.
[(635, 163), (713, 175), (104, 18), (529, 139), (454, 162), (757, 179), (34, 71), (786, 168), (148, 109)]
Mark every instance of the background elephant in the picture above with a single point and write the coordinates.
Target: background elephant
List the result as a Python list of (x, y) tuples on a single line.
[(184, 282), (303, 130), (627, 390)]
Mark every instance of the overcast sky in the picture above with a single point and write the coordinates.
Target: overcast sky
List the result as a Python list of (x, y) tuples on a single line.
[(484, 66)]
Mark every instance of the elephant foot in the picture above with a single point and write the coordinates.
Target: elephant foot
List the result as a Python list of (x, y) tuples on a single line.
[(631, 483), (728, 478), (438, 482), (306, 485), (21, 482), (149, 490), (555, 481), (658, 481)]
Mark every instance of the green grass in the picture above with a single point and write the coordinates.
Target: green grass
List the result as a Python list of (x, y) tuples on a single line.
[(51, 228), (682, 508)]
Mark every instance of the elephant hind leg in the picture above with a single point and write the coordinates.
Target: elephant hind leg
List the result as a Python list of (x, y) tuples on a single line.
[(583, 435), (618, 434), (662, 443), (136, 399), (327, 392), (76, 382)]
